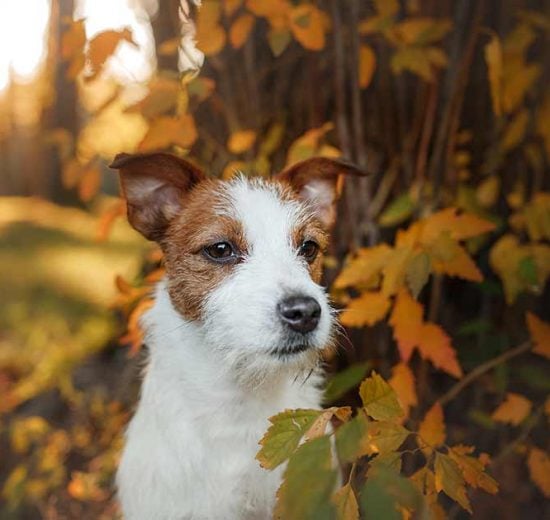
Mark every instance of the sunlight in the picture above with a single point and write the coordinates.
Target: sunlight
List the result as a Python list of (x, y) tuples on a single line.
[(23, 35)]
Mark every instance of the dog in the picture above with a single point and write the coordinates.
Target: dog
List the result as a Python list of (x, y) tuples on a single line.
[(235, 334)]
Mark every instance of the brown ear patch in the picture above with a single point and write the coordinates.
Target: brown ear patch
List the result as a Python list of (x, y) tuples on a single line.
[(154, 186), (315, 181)]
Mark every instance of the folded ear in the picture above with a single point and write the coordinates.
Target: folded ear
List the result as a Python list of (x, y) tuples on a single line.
[(153, 186), (315, 180)]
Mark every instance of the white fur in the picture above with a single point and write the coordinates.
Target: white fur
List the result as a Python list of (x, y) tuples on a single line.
[(211, 386)]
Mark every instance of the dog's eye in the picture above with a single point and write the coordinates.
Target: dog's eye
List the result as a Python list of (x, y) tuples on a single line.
[(220, 252), (309, 250)]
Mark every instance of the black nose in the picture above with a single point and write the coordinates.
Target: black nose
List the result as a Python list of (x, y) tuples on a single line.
[(300, 313)]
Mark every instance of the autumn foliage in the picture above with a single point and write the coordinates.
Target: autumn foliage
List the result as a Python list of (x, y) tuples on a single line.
[(437, 401)]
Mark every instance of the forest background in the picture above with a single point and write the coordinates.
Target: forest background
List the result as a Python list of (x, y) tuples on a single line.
[(439, 262)]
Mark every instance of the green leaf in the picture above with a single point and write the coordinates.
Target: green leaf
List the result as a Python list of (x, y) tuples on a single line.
[(344, 381), (417, 272), (308, 482), (386, 436), (379, 399), (283, 436), (278, 40), (391, 460), (527, 269), (448, 478), (399, 210), (384, 491), (350, 438)]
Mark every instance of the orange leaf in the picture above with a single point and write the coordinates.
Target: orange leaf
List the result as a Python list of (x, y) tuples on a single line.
[(104, 45), (210, 35), (403, 382), (240, 30), (368, 309), (459, 226), (432, 428), (230, 6), (539, 469), (308, 25), (406, 320), (167, 131), (435, 345), (367, 65), (451, 259), (513, 410), (473, 468), (540, 335), (367, 264), (241, 141)]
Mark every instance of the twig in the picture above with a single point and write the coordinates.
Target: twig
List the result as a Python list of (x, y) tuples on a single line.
[(482, 369)]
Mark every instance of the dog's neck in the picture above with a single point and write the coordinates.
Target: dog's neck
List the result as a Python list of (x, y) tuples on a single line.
[(182, 361)]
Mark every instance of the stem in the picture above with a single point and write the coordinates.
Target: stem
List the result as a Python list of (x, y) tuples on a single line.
[(482, 369)]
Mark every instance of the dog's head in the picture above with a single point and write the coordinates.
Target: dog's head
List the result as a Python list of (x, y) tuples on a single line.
[(243, 257)]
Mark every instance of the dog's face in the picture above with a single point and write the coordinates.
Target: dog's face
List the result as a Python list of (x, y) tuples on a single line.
[(243, 257)]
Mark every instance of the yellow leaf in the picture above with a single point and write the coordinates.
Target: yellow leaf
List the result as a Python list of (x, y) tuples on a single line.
[(167, 131), (367, 65), (210, 35), (487, 192), (368, 309), (386, 7), (513, 410), (379, 399), (448, 478), (367, 264), (233, 168), (276, 11), (241, 141), (417, 272), (308, 25), (421, 31), (395, 270), (515, 131), (432, 428), (460, 226), (406, 320), (451, 259), (346, 503), (240, 30), (169, 47), (540, 335), (493, 58), (413, 59), (403, 382), (517, 83), (308, 144), (539, 469), (385, 437)]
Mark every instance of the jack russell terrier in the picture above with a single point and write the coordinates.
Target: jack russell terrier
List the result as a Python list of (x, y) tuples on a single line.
[(235, 335)]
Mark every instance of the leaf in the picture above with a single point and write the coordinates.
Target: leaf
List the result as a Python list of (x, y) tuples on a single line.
[(310, 464), (379, 398), (346, 503), (493, 58), (278, 40), (308, 25), (417, 272), (283, 436), (432, 428), (201, 88), (515, 131), (413, 59), (367, 65), (161, 98), (451, 259), (460, 226), (308, 144), (240, 30), (513, 410), (386, 493), (103, 46), (538, 463), (351, 438), (448, 478), (319, 426), (368, 309), (339, 384), (473, 469), (166, 131), (367, 264), (403, 382), (230, 6), (399, 210), (241, 141), (435, 345), (385, 437), (540, 335), (210, 35), (169, 47), (406, 320), (488, 191), (421, 30), (386, 7), (395, 270), (89, 183)]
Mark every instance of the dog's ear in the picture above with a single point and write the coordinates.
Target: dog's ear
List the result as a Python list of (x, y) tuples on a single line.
[(154, 185), (315, 180)]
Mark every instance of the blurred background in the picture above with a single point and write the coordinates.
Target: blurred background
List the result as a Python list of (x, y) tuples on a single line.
[(445, 103)]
